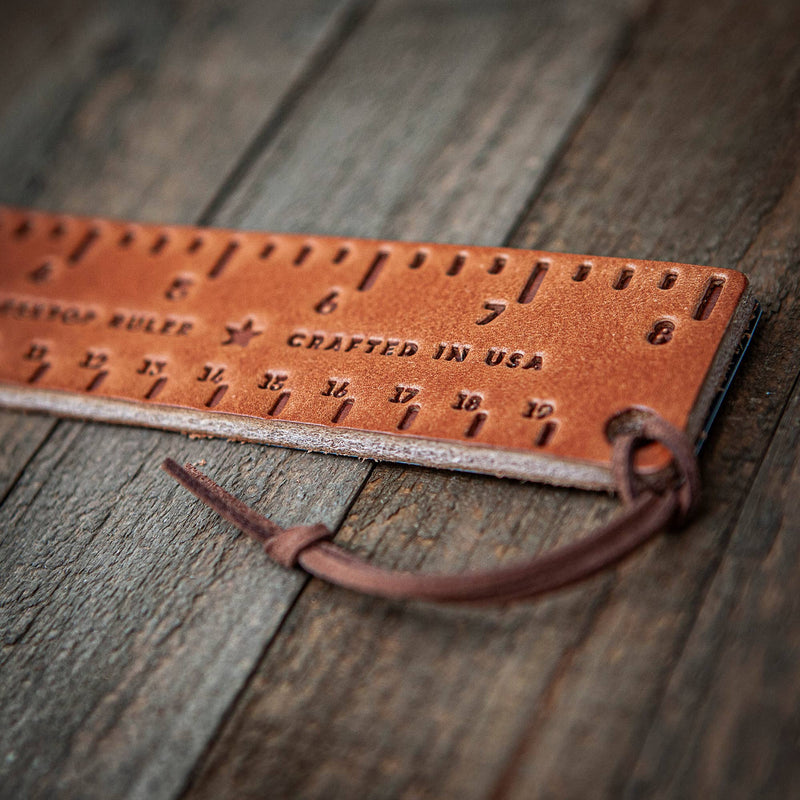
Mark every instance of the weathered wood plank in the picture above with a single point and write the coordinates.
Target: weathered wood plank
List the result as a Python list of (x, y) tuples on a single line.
[(36, 32), (146, 115), (39, 41), (731, 215), (178, 625), (687, 152), (113, 685), (422, 127), (159, 106), (727, 724)]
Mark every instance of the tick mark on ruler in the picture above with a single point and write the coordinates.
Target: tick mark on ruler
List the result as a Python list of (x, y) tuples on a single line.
[(533, 283), (457, 265), (219, 393), (42, 273), (368, 281), (498, 265), (159, 244), (39, 372), (623, 279), (155, 389), (582, 273), (668, 280), (89, 238), (418, 260), (223, 260), (127, 239), (475, 426), (343, 410), (279, 404), (304, 253), (408, 418), (546, 434), (709, 299), (96, 381), (23, 229)]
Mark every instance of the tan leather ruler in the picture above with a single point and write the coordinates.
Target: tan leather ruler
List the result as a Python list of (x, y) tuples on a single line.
[(496, 360)]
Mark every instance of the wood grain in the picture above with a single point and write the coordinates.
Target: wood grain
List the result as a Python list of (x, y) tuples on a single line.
[(36, 40), (137, 114), (687, 154), (157, 110), (728, 717), (154, 633), (744, 173), (131, 631), (33, 33), (421, 127)]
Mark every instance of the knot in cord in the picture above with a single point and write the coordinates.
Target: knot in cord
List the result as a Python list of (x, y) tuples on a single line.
[(647, 511), (685, 481), (285, 546)]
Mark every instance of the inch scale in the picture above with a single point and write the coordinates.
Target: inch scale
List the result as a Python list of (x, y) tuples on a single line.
[(496, 360)]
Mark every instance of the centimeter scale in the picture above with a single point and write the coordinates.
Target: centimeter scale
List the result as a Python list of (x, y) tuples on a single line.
[(510, 362)]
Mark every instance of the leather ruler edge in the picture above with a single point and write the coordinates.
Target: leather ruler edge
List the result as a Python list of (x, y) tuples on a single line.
[(365, 444), (379, 446)]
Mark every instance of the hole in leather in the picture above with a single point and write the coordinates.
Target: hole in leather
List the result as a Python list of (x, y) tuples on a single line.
[(629, 421)]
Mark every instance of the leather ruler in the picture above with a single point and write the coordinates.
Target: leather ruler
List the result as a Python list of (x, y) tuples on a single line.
[(509, 362)]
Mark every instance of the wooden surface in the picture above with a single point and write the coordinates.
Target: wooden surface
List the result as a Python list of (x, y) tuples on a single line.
[(148, 651)]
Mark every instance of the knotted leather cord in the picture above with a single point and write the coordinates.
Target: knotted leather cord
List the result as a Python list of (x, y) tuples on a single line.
[(646, 513)]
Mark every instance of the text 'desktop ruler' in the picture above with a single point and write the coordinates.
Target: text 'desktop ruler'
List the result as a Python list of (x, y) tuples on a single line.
[(495, 360)]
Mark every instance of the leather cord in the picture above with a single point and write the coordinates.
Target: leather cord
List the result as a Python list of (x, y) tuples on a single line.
[(646, 512)]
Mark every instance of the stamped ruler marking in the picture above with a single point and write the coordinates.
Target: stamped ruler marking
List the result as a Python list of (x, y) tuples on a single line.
[(490, 359)]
